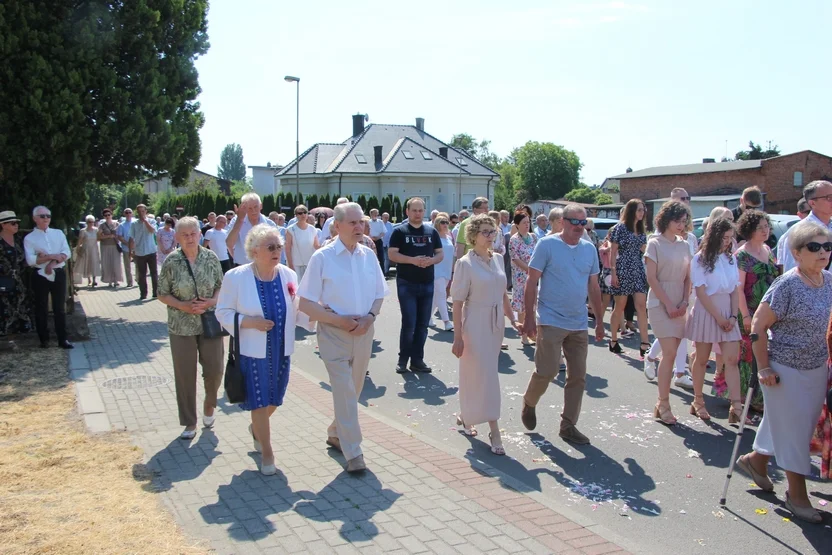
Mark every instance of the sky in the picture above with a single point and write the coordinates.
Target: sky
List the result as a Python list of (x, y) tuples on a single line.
[(623, 84)]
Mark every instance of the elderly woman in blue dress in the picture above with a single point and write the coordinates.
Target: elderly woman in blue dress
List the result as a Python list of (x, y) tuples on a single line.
[(264, 294), (789, 343)]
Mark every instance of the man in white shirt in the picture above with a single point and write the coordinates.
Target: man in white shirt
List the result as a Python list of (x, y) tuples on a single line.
[(247, 216), (819, 196), (47, 250), (123, 237), (325, 231), (377, 232), (142, 246), (388, 229), (343, 290), (542, 227), (215, 240)]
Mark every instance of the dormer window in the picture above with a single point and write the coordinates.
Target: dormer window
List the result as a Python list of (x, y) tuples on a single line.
[(426, 155), (360, 159), (461, 162), (407, 154)]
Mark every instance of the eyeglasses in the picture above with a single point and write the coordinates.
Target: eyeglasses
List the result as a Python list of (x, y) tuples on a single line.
[(301, 213), (273, 247), (684, 199), (489, 233), (824, 197), (576, 221), (814, 246), (44, 216)]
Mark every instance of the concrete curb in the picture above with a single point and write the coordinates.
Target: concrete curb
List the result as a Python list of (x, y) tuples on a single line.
[(504, 478), (90, 404)]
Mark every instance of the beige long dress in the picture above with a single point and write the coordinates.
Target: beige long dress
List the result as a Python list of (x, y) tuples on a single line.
[(480, 284), (89, 262), (110, 257), (672, 263)]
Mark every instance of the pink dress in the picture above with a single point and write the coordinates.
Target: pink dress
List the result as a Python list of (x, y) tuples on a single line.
[(519, 249)]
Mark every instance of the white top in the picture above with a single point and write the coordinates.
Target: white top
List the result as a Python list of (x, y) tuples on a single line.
[(325, 231), (377, 228), (724, 278), (444, 269), (784, 253), (240, 246), (51, 241), (348, 283), (239, 294), (303, 243), (499, 244), (388, 230), (216, 242), (505, 228)]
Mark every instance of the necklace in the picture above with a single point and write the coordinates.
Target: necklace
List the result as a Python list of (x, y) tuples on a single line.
[(257, 274), (527, 239), (810, 280)]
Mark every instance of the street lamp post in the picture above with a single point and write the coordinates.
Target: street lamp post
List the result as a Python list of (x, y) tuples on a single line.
[(290, 79)]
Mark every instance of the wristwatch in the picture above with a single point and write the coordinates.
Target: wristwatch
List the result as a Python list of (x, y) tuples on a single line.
[(754, 337)]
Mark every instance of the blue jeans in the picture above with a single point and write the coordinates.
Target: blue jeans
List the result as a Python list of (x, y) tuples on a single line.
[(415, 300), (386, 262)]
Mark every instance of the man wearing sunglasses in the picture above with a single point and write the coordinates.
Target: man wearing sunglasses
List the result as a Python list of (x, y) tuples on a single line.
[(566, 267), (818, 194), (46, 248)]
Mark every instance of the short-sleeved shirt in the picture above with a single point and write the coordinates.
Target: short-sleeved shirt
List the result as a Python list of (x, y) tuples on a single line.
[(240, 256), (564, 283), (415, 241), (722, 280), (144, 241), (798, 338), (216, 242), (459, 232), (176, 281)]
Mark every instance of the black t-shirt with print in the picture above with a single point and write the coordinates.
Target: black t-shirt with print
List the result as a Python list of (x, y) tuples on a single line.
[(415, 241)]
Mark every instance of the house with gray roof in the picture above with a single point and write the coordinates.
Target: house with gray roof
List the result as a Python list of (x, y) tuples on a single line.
[(390, 160)]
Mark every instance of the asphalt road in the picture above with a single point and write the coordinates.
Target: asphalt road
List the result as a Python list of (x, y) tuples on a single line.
[(656, 486)]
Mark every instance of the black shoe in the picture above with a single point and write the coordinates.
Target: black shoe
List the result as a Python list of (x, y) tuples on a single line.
[(572, 435), (420, 367), (66, 345), (615, 348), (142, 297), (44, 345), (401, 368), (528, 417)]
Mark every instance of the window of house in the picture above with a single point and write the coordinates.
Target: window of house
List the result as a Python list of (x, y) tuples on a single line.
[(426, 155), (407, 154), (461, 162), (360, 159), (798, 179)]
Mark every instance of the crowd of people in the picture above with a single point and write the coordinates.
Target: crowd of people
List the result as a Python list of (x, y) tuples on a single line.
[(762, 313)]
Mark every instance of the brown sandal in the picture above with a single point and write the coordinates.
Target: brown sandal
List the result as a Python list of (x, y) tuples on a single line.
[(735, 415), (697, 408), (661, 412)]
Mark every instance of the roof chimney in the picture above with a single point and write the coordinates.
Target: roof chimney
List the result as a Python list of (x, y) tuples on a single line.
[(377, 151), (358, 124), (420, 124), (708, 161), (443, 151)]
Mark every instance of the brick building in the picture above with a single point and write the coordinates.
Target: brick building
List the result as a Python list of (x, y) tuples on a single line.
[(780, 178)]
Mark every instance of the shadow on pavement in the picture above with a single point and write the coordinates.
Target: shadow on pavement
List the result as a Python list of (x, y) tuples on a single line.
[(815, 534), (426, 387), (180, 461), (152, 336), (593, 387)]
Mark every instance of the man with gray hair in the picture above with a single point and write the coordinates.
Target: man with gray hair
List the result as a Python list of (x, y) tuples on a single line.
[(142, 245), (560, 322), (343, 290), (326, 232), (818, 195), (803, 209), (247, 216), (47, 250)]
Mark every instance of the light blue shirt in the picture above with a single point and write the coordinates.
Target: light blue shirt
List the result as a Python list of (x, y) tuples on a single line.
[(144, 241), (564, 284), (388, 227), (784, 253), (123, 231), (541, 233), (240, 246)]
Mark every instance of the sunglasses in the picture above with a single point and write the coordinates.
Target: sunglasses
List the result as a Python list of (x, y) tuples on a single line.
[(576, 221), (44, 216), (814, 246), (301, 213), (273, 247), (12, 223), (684, 199)]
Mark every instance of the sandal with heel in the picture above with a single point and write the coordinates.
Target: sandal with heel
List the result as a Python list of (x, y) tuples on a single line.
[(496, 449), (615, 348), (661, 412), (470, 432), (642, 350), (735, 414), (697, 408)]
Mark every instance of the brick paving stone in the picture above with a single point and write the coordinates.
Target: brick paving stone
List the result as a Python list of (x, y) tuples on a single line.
[(417, 499)]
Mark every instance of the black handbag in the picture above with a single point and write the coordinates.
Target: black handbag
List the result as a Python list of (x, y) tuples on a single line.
[(211, 327), (235, 384)]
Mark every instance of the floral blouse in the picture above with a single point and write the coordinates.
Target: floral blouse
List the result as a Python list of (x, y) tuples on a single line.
[(176, 281)]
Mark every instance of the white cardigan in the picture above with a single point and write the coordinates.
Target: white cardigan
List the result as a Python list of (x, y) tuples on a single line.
[(239, 294)]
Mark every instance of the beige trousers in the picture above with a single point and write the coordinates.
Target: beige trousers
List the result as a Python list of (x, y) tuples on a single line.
[(346, 358), (550, 340), (187, 351)]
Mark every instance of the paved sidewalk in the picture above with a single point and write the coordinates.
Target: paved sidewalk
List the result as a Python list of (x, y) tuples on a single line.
[(416, 498)]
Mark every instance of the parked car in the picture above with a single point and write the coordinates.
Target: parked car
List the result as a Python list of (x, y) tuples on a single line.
[(602, 226)]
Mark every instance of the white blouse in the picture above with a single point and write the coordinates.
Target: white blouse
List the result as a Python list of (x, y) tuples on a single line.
[(724, 278)]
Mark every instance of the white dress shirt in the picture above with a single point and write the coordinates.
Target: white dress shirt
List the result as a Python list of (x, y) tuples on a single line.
[(325, 231), (51, 241), (784, 253), (240, 246), (377, 228), (724, 278), (348, 283)]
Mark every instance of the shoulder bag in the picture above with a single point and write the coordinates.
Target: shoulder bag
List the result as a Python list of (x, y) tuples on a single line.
[(211, 327), (235, 384)]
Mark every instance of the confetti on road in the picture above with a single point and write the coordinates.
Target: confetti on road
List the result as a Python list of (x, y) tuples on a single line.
[(692, 454), (761, 511), (786, 519), (823, 503), (688, 476), (718, 514)]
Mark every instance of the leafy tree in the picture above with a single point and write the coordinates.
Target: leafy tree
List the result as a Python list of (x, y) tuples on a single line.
[(372, 202), (204, 184), (480, 151), (96, 92), (312, 201), (386, 205), (397, 210), (102, 196), (505, 194), (587, 195), (756, 152), (602, 198), (269, 204), (231, 165), (134, 195), (547, 170), (241, 187), (325, 201)]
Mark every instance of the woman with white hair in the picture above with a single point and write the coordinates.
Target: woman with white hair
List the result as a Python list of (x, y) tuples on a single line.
[(555, 221), (189, 284), (89, 259), (790, 345), (264, 294)]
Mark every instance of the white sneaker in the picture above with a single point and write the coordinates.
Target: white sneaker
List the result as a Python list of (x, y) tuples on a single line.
[(268, 470), (684, 381), (449, 326), (651, 368)]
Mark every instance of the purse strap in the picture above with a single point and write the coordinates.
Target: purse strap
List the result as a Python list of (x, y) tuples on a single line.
[(190, 271), (237, 337)]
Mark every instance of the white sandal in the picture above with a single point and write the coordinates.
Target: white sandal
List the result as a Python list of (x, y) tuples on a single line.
[(496, 449), (187, 434)]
